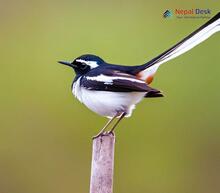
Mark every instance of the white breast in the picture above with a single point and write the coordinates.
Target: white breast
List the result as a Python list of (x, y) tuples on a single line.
[(76, 90), (107, 103)]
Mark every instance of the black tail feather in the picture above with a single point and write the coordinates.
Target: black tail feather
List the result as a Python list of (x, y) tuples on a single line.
[(154, 93)]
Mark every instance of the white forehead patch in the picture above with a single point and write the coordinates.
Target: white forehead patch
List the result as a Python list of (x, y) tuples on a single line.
[(92, 64)]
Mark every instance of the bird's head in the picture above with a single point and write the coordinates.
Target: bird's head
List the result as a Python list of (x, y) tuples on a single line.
[(84, 63)]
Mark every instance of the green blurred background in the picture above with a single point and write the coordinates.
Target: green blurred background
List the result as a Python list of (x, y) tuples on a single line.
[(169, 145)]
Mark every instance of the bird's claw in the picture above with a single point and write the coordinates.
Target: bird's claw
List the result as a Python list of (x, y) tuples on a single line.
[(106, 133)]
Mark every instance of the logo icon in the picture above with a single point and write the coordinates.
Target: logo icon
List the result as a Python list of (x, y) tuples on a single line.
[(167, 14)]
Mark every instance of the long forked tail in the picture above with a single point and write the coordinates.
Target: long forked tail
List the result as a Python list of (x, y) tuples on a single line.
[(147, 71)]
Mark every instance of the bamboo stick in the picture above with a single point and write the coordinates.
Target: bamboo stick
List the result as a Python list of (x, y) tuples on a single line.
[(102, 164)]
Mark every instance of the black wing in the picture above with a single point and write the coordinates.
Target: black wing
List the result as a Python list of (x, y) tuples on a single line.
[(116, 81)]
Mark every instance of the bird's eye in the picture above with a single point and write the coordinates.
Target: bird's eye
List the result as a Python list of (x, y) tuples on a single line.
[(83, 66)]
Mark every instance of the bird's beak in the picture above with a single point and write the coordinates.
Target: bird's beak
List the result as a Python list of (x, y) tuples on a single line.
[(67, 63)]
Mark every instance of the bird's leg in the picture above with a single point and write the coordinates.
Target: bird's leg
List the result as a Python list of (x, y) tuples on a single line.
[(106, 125), (120, 118)]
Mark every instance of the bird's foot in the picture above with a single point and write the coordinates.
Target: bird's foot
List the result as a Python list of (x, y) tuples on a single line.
[(111, 132), (99, 135), (106, 133)]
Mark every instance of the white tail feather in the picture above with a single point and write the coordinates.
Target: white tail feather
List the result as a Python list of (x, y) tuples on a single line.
[(182, 47)]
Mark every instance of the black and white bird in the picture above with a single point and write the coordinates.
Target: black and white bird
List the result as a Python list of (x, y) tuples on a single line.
[(113, 90)]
